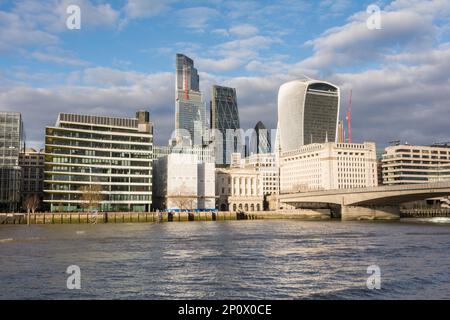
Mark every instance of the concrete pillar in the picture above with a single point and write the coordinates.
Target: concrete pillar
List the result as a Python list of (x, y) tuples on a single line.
[(370, 213)]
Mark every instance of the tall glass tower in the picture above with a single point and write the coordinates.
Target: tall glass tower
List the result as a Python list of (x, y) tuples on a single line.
[(260, 139), (11, 145), (225, 119), (307, 113), (190, 113)]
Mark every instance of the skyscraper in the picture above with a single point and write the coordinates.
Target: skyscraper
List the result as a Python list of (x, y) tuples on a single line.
[(261, 140), (307, 113), (190, 113), (11, 145), (224, 122)]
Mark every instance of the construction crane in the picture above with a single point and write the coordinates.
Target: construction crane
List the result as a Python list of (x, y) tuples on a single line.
[(349, 118), (186, 83), (394, 142)]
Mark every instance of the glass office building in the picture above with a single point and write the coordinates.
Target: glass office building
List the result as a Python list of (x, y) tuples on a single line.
[(12, 143), (114, 154), (225, 119), (190, 112), (307, 113), (260, 143)]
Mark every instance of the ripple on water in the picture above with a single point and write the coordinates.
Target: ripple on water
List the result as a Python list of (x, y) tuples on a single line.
[(252, 259)]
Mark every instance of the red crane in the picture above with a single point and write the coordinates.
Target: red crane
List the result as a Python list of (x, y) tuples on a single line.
[(349, 118), (186, 89)]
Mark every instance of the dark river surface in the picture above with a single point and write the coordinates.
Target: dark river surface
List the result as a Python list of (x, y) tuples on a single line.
[(282, 259)]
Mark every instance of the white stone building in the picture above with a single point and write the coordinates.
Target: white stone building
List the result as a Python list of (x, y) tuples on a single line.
[(182, 182), (326, 166), (266, 164), (239, 189)]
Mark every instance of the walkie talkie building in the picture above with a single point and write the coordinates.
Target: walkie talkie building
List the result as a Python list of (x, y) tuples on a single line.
[(307, 113)]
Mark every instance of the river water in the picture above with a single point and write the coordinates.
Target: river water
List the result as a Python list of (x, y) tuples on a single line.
[(281, 259)]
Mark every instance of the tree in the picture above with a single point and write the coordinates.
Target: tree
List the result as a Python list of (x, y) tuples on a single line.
[(31, 203), (183, 198), (91, 196)]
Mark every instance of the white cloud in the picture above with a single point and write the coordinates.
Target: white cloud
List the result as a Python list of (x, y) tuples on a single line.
[(98, 91), (244, 30), (146, 8), (51, 15), (16, 33), (354, 43), (59, 57), (220, 65), (196, 17)]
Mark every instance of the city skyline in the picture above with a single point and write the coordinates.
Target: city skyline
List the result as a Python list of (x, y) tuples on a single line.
[(116, 64)]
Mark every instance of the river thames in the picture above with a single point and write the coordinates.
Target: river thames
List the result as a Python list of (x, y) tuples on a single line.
[(283, 259)]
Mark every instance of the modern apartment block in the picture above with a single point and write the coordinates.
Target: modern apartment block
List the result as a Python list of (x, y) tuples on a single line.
[(183, 183), (307, 113), (408, 164), (326, 166), (224, 121), (112, 154), (12, 143), (32, 163)]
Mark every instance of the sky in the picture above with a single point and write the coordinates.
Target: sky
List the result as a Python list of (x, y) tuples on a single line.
[(122, 59)]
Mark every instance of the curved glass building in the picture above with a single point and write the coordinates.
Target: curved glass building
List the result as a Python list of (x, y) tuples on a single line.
[(307, 113)]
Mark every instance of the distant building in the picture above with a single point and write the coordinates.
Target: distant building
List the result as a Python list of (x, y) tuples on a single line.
[(224, 121), (327, 166), (205, 154), (112, 154), (190, 111), (32, 163), (408, 164), (183, 183), (341, 132), (239, 189), (260, 142), (307, 113), (266, 164), (12, 143)]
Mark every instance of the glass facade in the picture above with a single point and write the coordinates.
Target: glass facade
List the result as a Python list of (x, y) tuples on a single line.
[(11, 145), (225, 117), (190, 113), (320, 115), (307, 113), (113, 154), (260, 143)]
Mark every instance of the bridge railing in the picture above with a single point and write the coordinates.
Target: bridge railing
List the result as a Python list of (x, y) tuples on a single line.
[(433, 185)]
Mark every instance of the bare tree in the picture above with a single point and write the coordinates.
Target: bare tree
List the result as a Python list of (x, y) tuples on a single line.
[(183, 198), (91, 196), (31, 203)]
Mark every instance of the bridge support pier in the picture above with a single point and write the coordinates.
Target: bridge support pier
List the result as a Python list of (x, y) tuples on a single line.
[(370, 212)]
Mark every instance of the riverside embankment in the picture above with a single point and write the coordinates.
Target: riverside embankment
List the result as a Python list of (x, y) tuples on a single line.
[(138, 217)]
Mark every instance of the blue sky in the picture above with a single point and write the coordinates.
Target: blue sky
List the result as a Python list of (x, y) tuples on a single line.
[(123, 58)]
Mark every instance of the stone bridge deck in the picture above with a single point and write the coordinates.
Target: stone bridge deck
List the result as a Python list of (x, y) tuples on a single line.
[(371, 203)]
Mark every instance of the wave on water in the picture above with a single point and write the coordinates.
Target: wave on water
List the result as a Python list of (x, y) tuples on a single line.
[(9, 240), (444, 220)]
